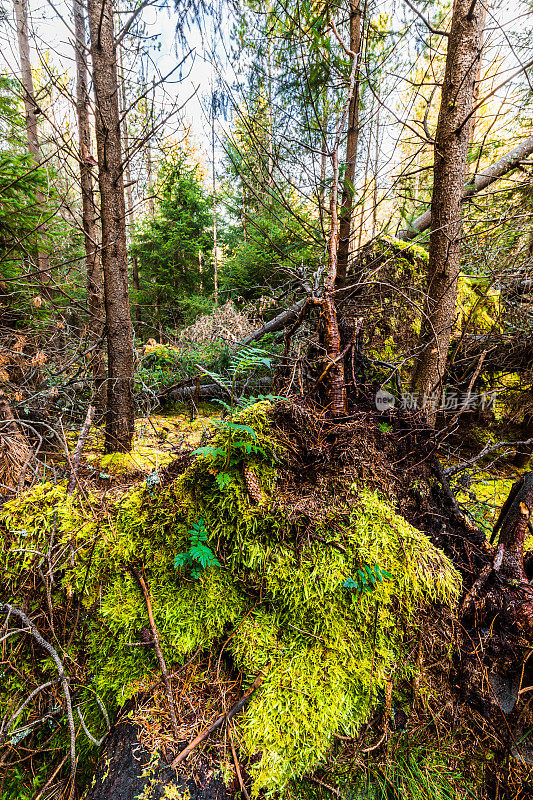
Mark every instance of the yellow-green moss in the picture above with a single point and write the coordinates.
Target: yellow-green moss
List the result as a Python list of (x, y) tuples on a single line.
[(326, 652)]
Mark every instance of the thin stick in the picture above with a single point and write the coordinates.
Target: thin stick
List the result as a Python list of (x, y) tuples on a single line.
[(239, 705), (237, 767), (50, 779), (76, 455), (7, 608), (160, 658), (332, 789), (27, 701)]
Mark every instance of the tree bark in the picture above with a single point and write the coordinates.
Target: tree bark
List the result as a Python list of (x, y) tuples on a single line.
[(523, 452), (32, 111), (345, 217), (215, 244), (129, 193), (449, 175), (95, 285), (331, 334), (119, 416)]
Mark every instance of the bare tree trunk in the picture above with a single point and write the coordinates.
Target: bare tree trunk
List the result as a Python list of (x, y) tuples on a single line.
[(345, 218), (201, 271), (375, 188), (245, 233), (127, 174), (120, 416), (449, 174), (332, 339), (270, 132), (149, 172), (32, 111), (95, 285), (215, 252)]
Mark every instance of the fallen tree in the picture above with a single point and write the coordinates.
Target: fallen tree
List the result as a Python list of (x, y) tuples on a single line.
[(482, 180)]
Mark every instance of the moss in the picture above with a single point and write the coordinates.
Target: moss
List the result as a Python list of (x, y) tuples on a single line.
[(478, 304), (485, 496), (326, 651), (416, 250)]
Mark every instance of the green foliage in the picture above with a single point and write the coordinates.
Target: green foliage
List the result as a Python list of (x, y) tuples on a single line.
[(327, 653), (199, 556), (365, 579), (235, 447), (173, 248), (163, 365)]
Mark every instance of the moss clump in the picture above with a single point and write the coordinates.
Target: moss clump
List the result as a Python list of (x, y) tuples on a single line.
[(326, 650)]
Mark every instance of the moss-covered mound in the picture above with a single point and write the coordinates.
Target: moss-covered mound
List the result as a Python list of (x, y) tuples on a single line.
[(266, 553)]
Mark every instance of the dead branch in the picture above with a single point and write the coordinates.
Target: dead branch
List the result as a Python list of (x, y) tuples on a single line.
[(157, 647), (76, 455), (239, 705), (6, 726), (6, 608), (485, 452), (237, 767)]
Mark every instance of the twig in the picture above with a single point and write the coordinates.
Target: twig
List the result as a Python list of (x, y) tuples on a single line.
[(50, 779), (470, 386), (426, 22), (7, 608), (76, 456), (158, 650), (4, 728), (485, 452), (237, 767), (239, 705), (332, 789)]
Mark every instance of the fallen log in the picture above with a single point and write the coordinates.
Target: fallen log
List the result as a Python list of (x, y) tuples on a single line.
[(482, 180)]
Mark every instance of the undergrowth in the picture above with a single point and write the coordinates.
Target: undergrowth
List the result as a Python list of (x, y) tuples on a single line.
[(298, 614)]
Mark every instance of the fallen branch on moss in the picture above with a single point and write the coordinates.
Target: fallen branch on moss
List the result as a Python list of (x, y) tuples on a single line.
[(157, 647), (7, 608), (239, 706)]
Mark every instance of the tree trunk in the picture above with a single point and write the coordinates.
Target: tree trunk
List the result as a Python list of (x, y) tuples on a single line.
[(149, 173), (129, 193), (331, 334), (270, 131), (524, 451), (119, 417), (32, 111), (95, 286), (345, 218), (449, 174), (215, 249)]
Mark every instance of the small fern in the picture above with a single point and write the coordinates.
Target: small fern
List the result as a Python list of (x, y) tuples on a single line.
[(365, 579), (199, 556)]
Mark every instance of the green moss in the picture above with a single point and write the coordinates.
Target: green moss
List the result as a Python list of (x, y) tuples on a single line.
[(478, 304), (326, 651)]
